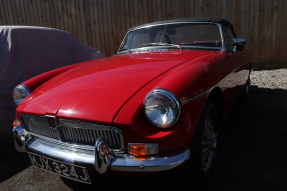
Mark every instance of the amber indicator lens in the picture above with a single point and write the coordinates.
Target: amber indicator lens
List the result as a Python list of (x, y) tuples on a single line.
[(137, 150), (15, 123), (143, 149)]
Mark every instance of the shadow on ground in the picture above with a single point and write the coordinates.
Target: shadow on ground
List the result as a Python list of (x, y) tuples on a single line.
[(11, 161), (252, 152)]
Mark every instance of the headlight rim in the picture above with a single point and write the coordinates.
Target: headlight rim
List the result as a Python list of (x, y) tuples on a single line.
[(172, 98), (25, 91)]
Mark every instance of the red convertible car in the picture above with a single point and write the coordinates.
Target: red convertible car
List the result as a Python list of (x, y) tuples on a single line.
[(154, 106)]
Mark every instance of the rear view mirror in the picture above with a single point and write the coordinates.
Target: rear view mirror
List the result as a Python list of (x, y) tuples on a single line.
[(167, 32)]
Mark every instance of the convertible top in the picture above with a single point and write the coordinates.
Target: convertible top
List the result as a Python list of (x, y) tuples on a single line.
[(28, 51), (222, 21)]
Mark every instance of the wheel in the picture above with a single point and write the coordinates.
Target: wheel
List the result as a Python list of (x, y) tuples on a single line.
[(206, 138), (204, 144), (208, 144)]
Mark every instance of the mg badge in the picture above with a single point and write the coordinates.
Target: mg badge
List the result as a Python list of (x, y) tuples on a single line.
[(51, 121)]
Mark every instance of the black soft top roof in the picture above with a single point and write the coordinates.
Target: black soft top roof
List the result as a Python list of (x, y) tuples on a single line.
[(224, 22)]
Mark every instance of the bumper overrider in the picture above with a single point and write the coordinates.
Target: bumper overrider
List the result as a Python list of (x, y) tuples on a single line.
[(101, 158)]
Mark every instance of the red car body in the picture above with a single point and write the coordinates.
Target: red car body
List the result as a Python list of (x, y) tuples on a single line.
[(111, 92)]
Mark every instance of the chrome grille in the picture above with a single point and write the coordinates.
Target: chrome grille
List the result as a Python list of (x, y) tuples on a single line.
[(38, 125), (74, 132), (89, 136)]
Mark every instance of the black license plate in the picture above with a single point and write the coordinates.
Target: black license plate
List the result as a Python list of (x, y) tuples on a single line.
[(73, 172)]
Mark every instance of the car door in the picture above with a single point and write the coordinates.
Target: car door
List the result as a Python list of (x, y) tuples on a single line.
[(236, 63)]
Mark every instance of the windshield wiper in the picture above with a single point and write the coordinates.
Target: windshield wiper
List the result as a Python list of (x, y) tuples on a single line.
[(160, 44), (125, 49)]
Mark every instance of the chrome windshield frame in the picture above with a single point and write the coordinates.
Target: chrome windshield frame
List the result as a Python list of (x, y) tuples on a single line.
[(223, 47)]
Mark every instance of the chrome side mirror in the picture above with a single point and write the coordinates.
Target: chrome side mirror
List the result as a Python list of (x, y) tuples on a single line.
[(238, 43)]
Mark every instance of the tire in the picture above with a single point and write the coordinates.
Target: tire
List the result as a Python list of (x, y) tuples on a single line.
[(208, 126), (204, 144)]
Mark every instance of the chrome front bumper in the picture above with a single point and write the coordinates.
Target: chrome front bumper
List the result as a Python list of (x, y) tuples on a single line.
[(102, 158)]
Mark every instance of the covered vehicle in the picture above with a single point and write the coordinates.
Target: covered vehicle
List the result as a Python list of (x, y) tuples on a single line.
[(27, 51), (154, 106)]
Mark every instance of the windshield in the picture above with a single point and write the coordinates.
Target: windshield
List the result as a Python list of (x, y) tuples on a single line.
[(187, 35)]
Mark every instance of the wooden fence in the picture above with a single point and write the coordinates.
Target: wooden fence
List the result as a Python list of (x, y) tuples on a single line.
[(102, 24)]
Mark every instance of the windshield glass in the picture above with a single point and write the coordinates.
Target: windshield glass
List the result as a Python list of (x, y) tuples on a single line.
[(185, 35)]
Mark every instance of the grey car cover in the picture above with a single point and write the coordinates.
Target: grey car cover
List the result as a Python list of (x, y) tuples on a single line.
[(28, 51)]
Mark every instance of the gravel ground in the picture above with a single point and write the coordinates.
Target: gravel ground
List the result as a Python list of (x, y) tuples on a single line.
[(272, 79), (251, 155)]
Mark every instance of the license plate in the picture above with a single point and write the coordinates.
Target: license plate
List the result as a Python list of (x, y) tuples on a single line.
[(73, 172)]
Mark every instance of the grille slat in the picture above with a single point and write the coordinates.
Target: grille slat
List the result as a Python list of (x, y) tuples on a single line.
[(74, 132), (94, 135), (109, 138), (77, 135), (113, 137), (85, 137), (72, 137), (81, 137), (90, 134)]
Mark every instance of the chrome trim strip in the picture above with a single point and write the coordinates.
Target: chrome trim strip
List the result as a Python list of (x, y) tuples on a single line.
[(151, 164), (209, 89), (197, 97), (169, 23)]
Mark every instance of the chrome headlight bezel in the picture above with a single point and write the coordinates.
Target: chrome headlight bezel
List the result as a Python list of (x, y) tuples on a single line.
[(20, 93), (152, 105)]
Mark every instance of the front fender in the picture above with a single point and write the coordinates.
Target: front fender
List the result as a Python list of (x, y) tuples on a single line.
[(35, 82)]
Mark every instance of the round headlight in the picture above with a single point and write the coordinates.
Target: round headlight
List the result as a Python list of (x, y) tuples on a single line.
[(161, 108), (20, 93)]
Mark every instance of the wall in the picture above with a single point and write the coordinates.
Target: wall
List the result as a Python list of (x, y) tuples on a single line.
[(103, 23)]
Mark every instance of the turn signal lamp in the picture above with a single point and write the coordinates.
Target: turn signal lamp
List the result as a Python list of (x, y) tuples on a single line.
[(142, 149), (15, 123)]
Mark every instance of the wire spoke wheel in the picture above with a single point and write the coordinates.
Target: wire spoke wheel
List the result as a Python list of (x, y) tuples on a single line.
[(204, 146), (209, 144)]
